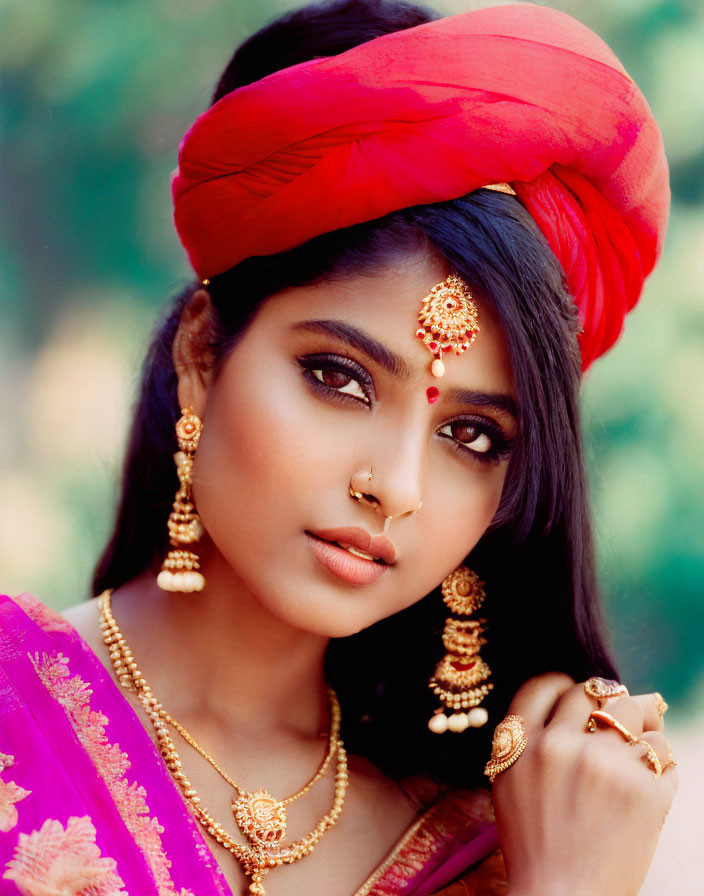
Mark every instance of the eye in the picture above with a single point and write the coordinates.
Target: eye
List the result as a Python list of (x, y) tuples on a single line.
[(339, 381), (338, 378), (469, 435)]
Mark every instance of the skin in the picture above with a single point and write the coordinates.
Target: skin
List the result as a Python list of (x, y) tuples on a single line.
[(241, 664)]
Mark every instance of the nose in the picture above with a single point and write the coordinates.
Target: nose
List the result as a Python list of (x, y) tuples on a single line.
[(391, 484)]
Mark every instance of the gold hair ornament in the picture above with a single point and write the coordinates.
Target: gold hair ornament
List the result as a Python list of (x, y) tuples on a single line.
[(448, 320)]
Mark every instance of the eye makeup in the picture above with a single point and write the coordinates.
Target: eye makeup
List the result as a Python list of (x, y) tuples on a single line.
[(337, 367), (491, 443), (339, 378)]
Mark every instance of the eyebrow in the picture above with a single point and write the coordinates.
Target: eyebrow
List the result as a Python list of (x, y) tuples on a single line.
[(397, 367), (497, 401), (360, 340)]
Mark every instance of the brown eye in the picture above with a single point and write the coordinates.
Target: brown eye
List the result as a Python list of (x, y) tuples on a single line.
[(335, 378), (340, 382), (468, 435)]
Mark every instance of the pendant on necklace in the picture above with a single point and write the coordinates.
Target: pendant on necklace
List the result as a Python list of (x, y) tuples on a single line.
[(260, 817)]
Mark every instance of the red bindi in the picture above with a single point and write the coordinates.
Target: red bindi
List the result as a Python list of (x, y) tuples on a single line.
[(433, 394)]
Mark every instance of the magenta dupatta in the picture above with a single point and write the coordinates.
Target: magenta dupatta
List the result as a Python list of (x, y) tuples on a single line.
[(88, 808)]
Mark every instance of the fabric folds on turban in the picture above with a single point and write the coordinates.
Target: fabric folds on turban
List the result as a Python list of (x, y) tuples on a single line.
[(520, 94)]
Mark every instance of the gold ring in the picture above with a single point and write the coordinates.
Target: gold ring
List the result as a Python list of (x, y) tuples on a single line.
[(508, 744), (600, 716), (670, 762), (651, 757), (662, 707), (604, 688)]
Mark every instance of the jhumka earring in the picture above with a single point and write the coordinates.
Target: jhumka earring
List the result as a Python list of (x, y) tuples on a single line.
[(460, 676), (180, 569), (448, 321)]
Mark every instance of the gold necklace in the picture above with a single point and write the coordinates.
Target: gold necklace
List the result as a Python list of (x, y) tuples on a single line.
[(259, 816)]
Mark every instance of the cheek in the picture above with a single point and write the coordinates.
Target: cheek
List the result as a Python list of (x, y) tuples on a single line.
[(252, 443), (451, 522), (264, 459)]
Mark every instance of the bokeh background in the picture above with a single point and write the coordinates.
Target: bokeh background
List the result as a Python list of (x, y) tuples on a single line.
[(95, 97)]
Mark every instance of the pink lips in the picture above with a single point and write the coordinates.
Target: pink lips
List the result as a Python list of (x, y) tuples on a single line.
[(348, 567)]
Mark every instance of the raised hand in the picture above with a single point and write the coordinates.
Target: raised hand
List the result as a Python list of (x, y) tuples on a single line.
[(580, 813)]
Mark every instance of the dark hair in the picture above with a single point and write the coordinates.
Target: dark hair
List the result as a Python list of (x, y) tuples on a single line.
[(537, 556)]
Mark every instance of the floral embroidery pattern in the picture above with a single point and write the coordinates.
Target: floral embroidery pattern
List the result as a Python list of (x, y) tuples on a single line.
[(74, 694), (10, 793), (54, 861)]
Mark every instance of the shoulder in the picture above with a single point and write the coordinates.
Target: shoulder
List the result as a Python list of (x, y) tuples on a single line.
[(84, 618)]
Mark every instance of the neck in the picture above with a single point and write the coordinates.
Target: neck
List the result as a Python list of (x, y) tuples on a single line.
[(221, 653)]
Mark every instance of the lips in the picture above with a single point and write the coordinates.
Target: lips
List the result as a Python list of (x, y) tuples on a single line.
[(376, 547), (352, 554)]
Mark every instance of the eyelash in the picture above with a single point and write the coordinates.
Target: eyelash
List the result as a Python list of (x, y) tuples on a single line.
[(342, 365), (500, 444)]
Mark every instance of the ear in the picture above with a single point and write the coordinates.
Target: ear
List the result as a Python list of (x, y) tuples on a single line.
[(192, 352)]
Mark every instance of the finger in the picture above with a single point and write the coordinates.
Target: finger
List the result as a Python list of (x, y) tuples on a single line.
[(535, 700), (576, 706), (651, 705), (660, 744), (628, 711)]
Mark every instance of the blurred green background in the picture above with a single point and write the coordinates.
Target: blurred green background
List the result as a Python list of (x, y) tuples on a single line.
[(96, 95)]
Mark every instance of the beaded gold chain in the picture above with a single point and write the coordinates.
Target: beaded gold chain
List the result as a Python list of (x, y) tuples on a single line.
[(257, 814)]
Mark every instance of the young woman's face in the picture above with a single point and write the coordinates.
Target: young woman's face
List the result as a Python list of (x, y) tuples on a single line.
[(327, 384)]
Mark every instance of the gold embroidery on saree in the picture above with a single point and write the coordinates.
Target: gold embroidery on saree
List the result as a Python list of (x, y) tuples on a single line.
[(66, 861), (447, 820), (110, 762), (10, 793)]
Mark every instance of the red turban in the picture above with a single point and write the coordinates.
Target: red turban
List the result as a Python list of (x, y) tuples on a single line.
[(520, 94)]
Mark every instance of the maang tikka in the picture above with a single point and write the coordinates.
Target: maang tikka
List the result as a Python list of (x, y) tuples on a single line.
[(180, 569), (460, 678), (448, 320)]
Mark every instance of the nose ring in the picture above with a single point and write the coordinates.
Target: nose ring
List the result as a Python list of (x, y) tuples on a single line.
[(364, 497), (374, 503)]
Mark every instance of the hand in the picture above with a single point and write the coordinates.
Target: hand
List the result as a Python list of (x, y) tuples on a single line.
[(579, 814)]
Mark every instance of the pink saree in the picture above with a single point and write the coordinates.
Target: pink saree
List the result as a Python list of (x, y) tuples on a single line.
[(87, 807)]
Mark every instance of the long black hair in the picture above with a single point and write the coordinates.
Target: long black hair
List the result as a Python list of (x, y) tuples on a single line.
[(536, 557)]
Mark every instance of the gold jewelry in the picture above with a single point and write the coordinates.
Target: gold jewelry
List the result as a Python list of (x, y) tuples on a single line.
[(662, 707), (180, 569), (508, 744), (448, 320), (670, 762), (460, 676), (651, 757), (373, 502), (260, 814), (500, 188), (598, 715), (362, 496), (603, 689)]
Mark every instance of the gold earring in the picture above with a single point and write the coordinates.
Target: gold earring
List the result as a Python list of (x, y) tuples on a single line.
[(180, 569), (460, 677)]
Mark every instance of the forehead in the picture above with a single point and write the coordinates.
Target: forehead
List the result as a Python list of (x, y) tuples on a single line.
[(384, 303)]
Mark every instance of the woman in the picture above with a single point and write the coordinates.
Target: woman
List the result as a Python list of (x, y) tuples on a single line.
[(411, 236)]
